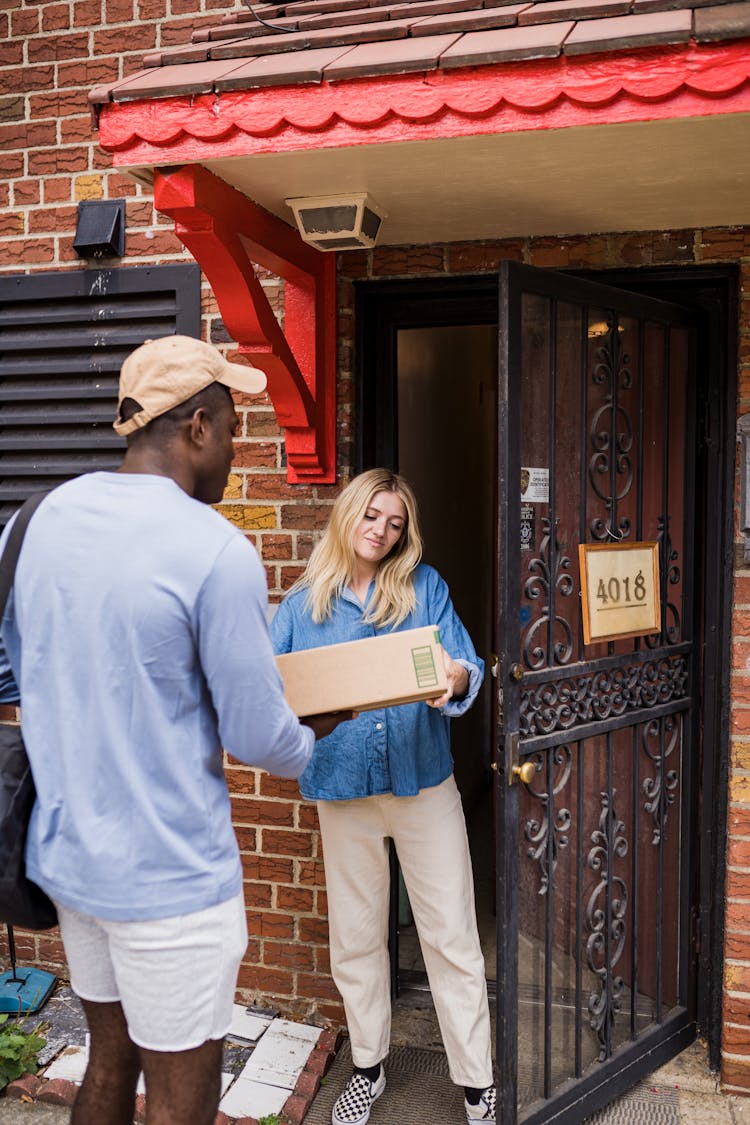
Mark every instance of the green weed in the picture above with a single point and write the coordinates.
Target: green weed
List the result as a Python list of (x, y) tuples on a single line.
[(18, 1050)]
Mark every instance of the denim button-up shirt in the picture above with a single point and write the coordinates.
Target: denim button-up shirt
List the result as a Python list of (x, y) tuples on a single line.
[(397, 750)]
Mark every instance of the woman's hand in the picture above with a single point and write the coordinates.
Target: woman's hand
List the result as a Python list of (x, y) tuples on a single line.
[(458, 682), (323, 725)]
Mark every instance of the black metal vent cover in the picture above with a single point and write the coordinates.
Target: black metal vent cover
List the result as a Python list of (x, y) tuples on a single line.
[(63, 338)]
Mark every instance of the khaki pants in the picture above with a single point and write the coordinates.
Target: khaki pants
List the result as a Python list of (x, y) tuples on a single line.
[(429, 833)]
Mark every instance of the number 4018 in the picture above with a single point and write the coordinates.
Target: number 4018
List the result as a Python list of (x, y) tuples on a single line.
[(619, 589)]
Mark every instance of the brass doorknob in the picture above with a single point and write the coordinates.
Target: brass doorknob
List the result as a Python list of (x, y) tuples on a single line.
[(516, 673), (525, 772)]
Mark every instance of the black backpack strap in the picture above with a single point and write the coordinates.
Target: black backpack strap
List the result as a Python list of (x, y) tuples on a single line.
[(12, 548)]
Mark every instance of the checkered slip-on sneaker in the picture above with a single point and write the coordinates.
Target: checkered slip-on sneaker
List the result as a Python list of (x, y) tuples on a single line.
[(484, 1110), (353, 1106)]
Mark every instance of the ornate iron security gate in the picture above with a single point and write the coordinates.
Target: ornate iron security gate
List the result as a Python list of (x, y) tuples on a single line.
[(595, 801)]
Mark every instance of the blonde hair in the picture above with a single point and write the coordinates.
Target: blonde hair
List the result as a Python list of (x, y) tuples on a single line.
[(332, 563)]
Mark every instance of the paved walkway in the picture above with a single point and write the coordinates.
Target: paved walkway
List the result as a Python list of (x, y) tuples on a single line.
[(688, 1091)]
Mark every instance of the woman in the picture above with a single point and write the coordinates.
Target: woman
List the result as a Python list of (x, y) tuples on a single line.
[(388, 774)]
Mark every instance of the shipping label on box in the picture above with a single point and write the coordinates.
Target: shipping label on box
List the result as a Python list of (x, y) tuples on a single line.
[(381, 671)]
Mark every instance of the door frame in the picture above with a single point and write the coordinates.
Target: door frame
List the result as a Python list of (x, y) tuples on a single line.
[(384, 307)]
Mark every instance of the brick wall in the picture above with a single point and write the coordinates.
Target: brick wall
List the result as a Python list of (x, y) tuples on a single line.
[(50, 55)]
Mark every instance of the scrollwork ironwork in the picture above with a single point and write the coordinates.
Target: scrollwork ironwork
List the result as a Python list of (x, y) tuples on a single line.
[(606, 913), (660, 790), (548, 573), (548, 834), (611, 435), (595, 695)]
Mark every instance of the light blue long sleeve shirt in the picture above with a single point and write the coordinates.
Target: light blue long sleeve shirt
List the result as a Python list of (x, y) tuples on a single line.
[(136, 631), (397, 750)]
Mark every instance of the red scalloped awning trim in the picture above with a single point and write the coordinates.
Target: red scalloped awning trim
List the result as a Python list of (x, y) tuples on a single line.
[(641, 85)]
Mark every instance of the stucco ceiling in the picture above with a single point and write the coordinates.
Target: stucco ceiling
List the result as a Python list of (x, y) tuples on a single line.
[(670, 174)]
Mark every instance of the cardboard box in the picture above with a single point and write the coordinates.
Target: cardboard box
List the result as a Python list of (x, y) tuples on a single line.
[(364, 675)]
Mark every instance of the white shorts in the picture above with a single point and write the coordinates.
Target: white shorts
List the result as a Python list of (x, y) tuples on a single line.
[(175, 977)]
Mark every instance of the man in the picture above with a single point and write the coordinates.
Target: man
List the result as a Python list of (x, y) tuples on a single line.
[(136, 633)]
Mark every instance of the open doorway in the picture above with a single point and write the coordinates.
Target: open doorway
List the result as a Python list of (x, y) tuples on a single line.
[(446, 409)]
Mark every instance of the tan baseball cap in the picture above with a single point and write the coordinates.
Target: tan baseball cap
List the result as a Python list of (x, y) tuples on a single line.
[(163, 373)]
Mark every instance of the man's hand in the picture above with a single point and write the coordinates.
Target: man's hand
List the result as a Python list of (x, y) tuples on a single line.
[(458, 682), (322, 725)]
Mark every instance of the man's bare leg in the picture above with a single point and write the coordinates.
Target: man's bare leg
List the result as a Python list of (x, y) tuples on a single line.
[(107, 1095), (183, 1087)]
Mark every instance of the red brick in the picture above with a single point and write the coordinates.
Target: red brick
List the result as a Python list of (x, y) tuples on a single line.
[(276, 546), (673, 246), (738, 853), (271, 868), (735, 1040), (24, 22), (48, 48), (245, 838), (52, 219), (298, 900), (118, 11), (312, 873), (736, 1073), (140, 1107), (246, 1121), (737, 945), (288, 955), (151, 9), (319, 1061), (269, 925), (479, 257), (24, 1088), (307, 817), (87, 13), (75, 129), (278, 842), (272, 982), (257, 895), (270, 786), (411, 260), (11, 165), (295, 1108), (241, 780), (58, 189), (26, 192), (12, 222), (47, 162), (119, 185), (738, 915), (257, 455), (253, 811), (11, 53), (40, 251), (26, 78), (307, 1085), (87, 72), (160, 243), (140, 37), (57, 1091), (330, 1040), (55, 17), (222, 1119), (738, 884), (736, 1009), (313, 930)]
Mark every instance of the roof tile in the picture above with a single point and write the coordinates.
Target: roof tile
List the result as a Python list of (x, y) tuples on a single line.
[(504, 16), (170, 81), (400, 57), (340, 19), (479, 48), (323, 37), (552, 10), (729, 21), (622, 32), (293, 68)]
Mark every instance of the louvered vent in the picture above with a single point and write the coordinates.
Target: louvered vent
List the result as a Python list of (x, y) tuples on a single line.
[(63, 338)]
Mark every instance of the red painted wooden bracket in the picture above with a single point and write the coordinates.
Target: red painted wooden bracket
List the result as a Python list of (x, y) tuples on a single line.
[(228, 234)]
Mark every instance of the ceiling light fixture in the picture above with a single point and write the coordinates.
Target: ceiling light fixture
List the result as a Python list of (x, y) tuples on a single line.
[(338, 222)]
